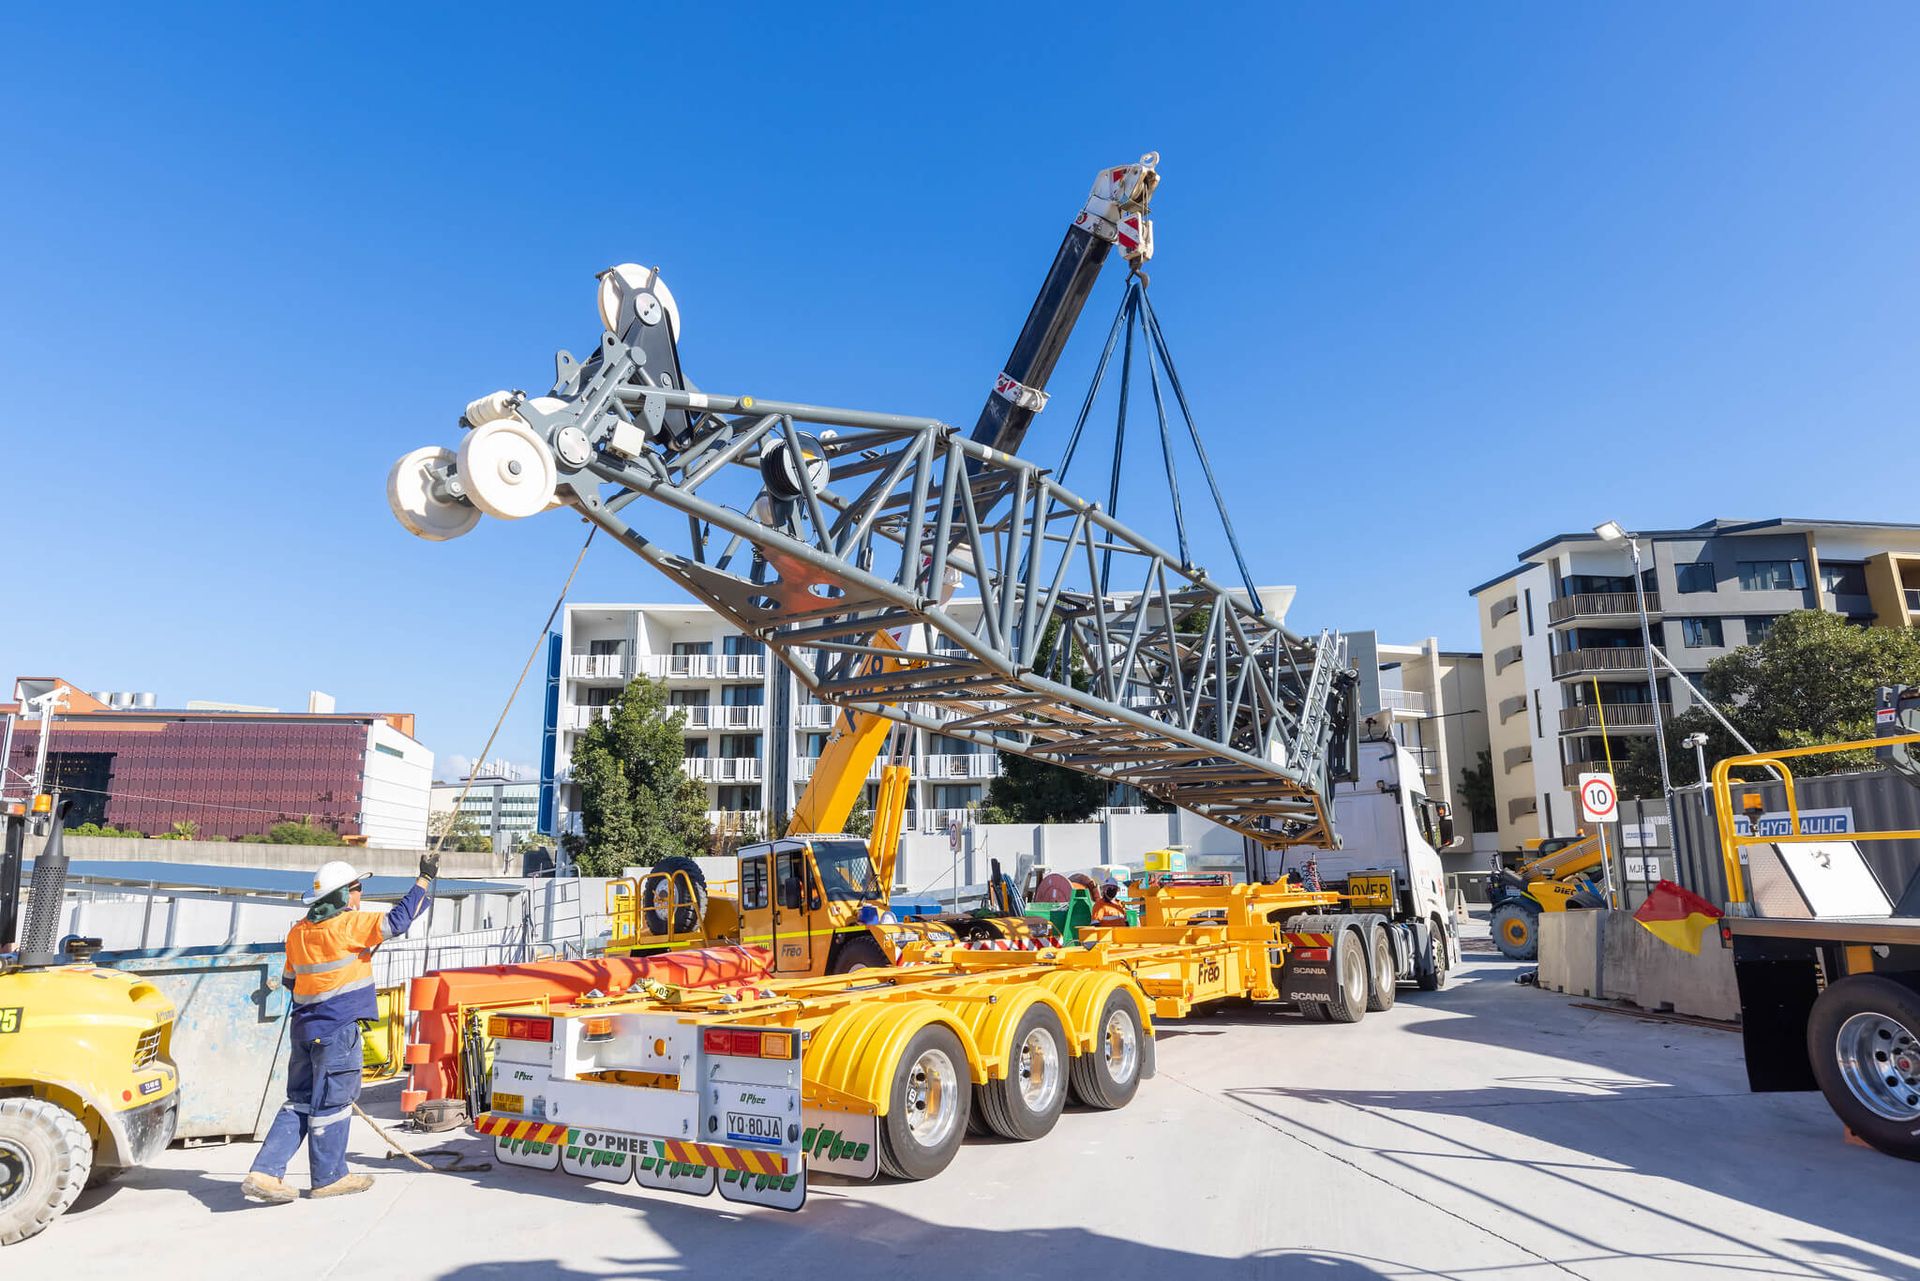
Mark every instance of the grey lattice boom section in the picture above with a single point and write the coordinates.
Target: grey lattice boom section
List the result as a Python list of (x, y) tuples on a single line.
[(1186, 691)]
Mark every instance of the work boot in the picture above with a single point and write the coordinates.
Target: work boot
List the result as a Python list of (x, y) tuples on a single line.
[(345, 1186), (265, 1188)]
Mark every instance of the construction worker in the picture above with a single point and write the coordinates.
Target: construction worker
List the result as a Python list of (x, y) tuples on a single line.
[(1107, 909), (330, 973)]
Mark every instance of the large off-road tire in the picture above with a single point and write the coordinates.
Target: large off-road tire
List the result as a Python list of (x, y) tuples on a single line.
[(1863, 1038), (1108, 1075), (45, 1156), (1025, 1103), (928, 1100), (1383, 978), (860, 953), (665, 907), (1516, 932), (1349, 1004), (1431, 975)]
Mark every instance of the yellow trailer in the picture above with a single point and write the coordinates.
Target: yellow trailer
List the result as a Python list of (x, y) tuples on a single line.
[(885, 1070)]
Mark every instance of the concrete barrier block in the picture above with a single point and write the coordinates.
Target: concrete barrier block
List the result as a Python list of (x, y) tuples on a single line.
[(1571, 952), (1638, 967)]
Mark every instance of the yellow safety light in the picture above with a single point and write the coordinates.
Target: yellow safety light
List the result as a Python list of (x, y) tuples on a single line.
[(1752, 801), (43, 804)]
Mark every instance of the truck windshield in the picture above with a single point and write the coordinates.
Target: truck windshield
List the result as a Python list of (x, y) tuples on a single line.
[(846, 870)]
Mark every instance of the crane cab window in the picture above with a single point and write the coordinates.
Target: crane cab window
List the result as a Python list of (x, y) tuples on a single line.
[(846, 867), (791, 879), (753, 883)]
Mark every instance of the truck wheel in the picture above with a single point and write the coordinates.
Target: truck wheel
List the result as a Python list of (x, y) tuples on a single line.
[(860, 954), (927, 1104), (1863, 1038), (1383, 978), (1432, 976), (45, 1156), (1349, 1004), (663, 896), (1107, 1075), (1516, 932), (1026, 1103)]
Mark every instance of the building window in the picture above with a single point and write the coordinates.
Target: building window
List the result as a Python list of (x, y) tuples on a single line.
[(744, 696), (1773, 575), (1529, 595), (740, 745), (694, 748), (687, 698), (384, 750), (1539, 725), (692, 648), (1701, 633), (742, 645), (603, 648), (1760, 627), (1843, 578), (1694, 576)]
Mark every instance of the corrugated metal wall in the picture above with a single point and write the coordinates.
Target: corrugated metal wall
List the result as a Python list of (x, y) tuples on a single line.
[(1881, 802)]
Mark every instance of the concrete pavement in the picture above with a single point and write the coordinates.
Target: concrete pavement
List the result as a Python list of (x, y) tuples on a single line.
[(1486, 1131)]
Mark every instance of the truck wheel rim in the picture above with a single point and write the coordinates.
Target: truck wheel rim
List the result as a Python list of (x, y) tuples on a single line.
[(933, 1089), (1880, 1062), (1514, 930), (1122, 1046), (16, 1171), (1355, 977), (1040, 1078)]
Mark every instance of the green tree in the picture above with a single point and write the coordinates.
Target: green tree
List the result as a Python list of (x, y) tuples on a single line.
[(457, 830), (1032, 791), (1477, 793), (304, 832), (185, 830), (860, 820), (1810, 681), (637, 805)]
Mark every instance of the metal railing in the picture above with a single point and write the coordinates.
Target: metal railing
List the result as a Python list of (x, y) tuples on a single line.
[(961, 765), (1599, 605), (1628, 716), (581, 717), (1619, 658), (941, 820), (1404, 700), (721, 716), (722, 769), (703, 666), (594, 667), (814, 716)]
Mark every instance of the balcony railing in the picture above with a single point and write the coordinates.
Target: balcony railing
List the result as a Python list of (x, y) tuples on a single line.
[(596, 667), (1599, 605), (1580, 662), (814, 716), (1627, 716), (738, 820), (1570, 772), (703, 666), (581, 717), (722, 769), (1404, 700), (721, 716), (962, 765), (940, 820)]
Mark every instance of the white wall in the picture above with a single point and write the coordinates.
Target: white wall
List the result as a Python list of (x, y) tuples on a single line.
[(927, 864), (395, 789)]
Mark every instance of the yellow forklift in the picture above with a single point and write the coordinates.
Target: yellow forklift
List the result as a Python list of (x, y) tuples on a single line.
[(1551, 875), (87, 1089)]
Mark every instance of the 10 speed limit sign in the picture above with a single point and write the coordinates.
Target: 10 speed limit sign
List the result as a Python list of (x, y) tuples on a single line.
[(1599, 803)]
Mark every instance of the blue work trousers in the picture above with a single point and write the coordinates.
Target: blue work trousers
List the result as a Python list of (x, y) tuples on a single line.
[(323, 1080)]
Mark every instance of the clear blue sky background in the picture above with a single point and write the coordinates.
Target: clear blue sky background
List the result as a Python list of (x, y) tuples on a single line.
[(1441, 279)]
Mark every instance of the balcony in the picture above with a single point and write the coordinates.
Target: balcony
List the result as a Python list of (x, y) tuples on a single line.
[(720, 716), (1404, 700), (961, 765), (754, 821), (1624, 716), (815, 716), (941, 820), (1570, 772), (722, 769), (1592, 606), (1622, 660), (581, 717), (705, 667), (596, 667)]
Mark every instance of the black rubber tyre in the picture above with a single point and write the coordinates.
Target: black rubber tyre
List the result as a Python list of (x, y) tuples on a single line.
[(1516, 932), (1313, 1011), (1432, 976), (928, 1101), (101, 1175), (1863, 1038), (1349, 1004), (1028, 1101), (860, 953), (45, 1156), (1108, 1076), (1383, 978), (663, 897)]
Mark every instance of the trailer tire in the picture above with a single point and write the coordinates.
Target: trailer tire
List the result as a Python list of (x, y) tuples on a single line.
[(1108, 1075), (1516, 932), (1349, 1004), (860, 953), (1383, 975), (1863, 1038), (1431, 974), (928, 1101), (1025, 1103), (45, 1157), (664, 908)]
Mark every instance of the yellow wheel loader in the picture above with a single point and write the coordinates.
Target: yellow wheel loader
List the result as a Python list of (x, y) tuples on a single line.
[(87, 1089), (1552, 875)]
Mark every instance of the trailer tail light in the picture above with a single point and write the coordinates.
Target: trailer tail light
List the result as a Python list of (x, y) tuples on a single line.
[(518, 1027), (597, 1029), (1320, 954), (750, 1042), (1726, 934)]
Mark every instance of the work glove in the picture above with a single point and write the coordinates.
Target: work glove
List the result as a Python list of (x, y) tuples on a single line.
[(430, 865)]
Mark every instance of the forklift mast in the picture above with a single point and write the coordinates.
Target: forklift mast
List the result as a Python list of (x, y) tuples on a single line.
[(12, 855)]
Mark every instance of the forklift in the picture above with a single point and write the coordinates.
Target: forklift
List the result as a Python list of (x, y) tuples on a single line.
[(1552, 875), (87, 1087)]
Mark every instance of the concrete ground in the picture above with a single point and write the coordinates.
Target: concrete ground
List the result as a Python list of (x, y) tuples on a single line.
[(1488, 1131)]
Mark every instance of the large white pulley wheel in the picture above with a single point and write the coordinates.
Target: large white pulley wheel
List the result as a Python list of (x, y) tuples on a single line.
[(616, 283), (507, 470), (410, 495)]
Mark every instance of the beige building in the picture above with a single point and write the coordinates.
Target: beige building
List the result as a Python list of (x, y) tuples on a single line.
[(1430, 701)]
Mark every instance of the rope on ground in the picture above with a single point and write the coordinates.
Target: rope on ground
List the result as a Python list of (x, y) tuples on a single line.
[(458, 1164)]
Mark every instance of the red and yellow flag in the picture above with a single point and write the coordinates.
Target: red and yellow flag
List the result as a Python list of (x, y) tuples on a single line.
[(1677, 915)]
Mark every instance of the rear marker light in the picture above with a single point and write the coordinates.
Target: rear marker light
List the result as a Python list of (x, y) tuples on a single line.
[(1321, 954), (749, 1042), (599, 1029), (513, 1027)]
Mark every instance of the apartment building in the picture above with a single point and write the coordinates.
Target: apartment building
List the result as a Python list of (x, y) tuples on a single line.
[(503, 806), (1566, 671), (1432, 702), (725, 683)]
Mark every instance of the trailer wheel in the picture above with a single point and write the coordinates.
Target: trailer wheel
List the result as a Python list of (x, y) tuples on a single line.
[(1516, 932), (663, 896), (1863, 1038), (1383, 976), (1349, 1004), (1432, 975), (1025, 1103), (1107, 1076), (927, 1105), (45, 1156)]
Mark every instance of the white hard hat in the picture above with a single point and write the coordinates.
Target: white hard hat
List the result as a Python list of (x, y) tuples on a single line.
[(331, 877)]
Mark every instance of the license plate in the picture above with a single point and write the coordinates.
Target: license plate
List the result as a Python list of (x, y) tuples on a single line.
[(754, 1127), (509, 1103)]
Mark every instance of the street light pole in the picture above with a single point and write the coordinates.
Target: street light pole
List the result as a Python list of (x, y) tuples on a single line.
[(1611, 531)]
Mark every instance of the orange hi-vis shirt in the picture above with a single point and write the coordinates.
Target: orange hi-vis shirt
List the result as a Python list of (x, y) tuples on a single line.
[(330, 965)]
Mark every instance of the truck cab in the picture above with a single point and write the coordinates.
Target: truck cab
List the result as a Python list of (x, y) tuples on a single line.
[(1391, 835)]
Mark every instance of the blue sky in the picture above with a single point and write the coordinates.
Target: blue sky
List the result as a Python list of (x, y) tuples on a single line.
[(1441, 280)]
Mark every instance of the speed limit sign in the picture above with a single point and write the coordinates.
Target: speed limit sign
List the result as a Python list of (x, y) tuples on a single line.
[(1599, 803)]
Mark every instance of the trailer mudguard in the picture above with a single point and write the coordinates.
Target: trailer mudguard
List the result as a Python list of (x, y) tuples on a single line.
[(853, 1053), (991, 1013), (1083, 992)]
